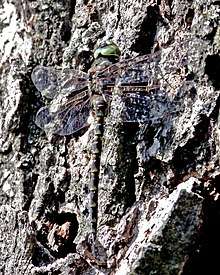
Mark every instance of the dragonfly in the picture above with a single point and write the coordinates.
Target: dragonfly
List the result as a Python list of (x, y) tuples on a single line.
[(74, 94), (71, 91)]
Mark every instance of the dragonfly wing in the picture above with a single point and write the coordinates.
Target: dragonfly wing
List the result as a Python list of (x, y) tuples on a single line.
[(64, 118), (115, 69), (45, 80), (74, 119), (47, 120), (144, 107), (51, 82), (72, 81), (135, 108), (43, 117), (147, 74)]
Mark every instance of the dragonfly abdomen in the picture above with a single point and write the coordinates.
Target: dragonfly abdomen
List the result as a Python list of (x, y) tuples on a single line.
[(99, 109)]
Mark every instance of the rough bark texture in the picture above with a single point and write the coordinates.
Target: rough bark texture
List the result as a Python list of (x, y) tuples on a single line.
[(159, 181)]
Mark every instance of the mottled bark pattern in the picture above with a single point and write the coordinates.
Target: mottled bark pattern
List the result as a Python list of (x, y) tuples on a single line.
[(158, 181)]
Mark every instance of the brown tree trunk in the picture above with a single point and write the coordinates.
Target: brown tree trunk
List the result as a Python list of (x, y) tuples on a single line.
[(158, 185)]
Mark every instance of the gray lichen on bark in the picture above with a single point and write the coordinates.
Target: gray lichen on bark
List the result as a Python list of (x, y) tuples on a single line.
[(158, 191)]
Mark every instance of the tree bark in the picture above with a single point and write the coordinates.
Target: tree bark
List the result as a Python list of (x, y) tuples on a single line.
[(158, 210)]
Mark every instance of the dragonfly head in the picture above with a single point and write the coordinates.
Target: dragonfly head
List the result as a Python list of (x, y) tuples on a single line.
[(105, 55), (107, 49)]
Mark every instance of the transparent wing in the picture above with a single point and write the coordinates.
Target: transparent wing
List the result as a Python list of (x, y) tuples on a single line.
[(75, 119), (143, 74), (50, 81), (144, 106), (64, 118), (116, 69), (143, 70)]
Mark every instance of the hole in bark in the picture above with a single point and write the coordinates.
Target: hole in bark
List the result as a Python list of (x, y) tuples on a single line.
[(58, 233), (212, 69), (66, 233)]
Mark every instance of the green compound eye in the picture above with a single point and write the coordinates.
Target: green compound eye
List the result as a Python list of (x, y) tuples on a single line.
[(111, 49)]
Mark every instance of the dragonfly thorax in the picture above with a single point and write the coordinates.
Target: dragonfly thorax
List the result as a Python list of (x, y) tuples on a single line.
[(95, 85)]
